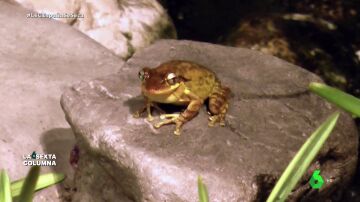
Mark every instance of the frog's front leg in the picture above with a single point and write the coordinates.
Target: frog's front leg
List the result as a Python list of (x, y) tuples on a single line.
[(147, 107), (179, 119)]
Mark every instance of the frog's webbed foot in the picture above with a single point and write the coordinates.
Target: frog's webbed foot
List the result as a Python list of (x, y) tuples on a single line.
[(218, 105), (179, 119), (169, 119), (220, 118)]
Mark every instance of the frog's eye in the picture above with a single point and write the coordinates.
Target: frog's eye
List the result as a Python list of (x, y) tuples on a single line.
[(170, 76), (143, 75), (171, 79)]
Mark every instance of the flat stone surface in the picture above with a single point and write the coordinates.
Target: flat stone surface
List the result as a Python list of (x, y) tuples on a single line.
[(271, 114), (39, 58)]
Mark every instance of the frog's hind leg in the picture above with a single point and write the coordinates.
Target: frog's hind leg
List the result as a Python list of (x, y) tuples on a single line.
[(179, 119), (218, 105)]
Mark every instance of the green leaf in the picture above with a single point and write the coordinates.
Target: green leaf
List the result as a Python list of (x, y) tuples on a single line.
[(301, 161), (5, 192), (341, 99), (28, 189), (203, 194), (44, 180)]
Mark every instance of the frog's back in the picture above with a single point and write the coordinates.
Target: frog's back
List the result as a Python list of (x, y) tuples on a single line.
[(201, 79)]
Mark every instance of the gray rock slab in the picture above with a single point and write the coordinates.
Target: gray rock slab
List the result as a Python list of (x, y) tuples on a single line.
[(39, 58), (271, 114), (121, 26)]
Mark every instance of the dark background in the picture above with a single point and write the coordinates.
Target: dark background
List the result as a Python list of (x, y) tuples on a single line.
[(312, 43)]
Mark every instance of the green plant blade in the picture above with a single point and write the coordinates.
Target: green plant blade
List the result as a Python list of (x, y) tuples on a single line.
[(301, 161), (44, 181), (5, 192), (203, 194), (28, 189), (343, 100)]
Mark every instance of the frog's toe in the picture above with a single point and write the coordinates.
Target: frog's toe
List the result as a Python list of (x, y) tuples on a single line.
[(222, 121), (213, 120), (164, 122), (167, 116), (170, 119), (150, 118), (216, 119), (136, 115), (177, 132), (157, 125)]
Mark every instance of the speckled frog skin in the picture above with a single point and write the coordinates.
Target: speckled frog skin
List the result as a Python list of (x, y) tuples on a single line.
[(183, 83)]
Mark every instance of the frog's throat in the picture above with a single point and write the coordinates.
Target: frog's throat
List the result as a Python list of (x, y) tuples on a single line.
[(165, 91)]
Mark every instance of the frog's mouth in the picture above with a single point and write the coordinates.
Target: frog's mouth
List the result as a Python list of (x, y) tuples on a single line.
[(163, 91)]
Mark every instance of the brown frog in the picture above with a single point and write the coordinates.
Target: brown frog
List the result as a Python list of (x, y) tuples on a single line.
[(183, 83)]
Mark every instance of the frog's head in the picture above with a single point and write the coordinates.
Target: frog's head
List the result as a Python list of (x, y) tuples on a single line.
[(159, 81)]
